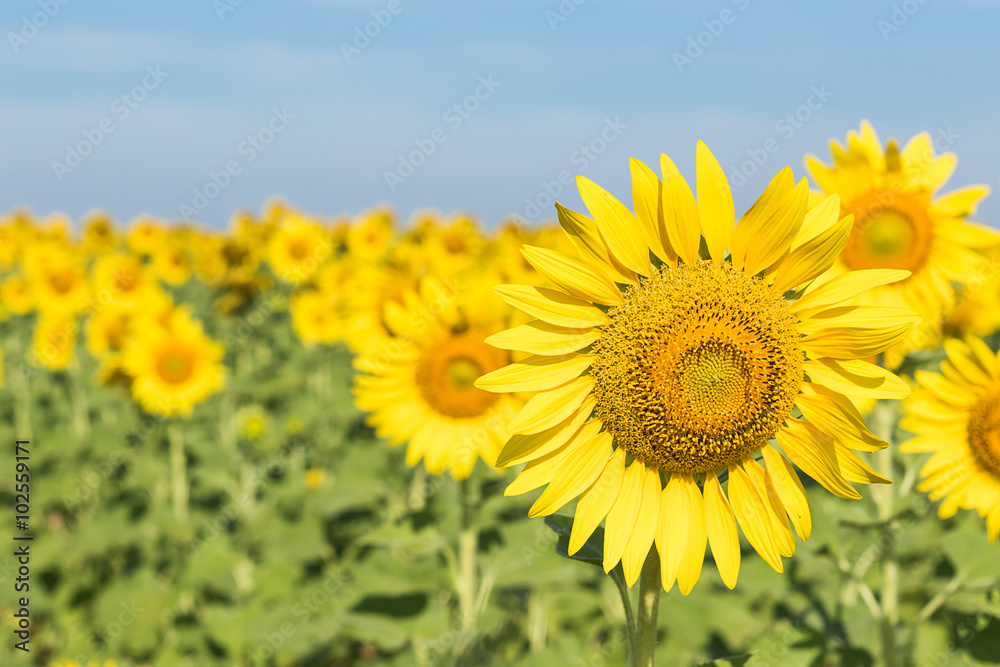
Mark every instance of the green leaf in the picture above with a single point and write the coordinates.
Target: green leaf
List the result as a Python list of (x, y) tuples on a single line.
[(733, 660), (591, 552)]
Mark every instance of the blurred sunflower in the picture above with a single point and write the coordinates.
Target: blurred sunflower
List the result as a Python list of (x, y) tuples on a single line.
[(99, 235), (53, 344), (297, 248), (251, 422), (366, 295), (314, 479), (369, 237), (419, 386), (16, 296), (692, 368), (145, 236), (899, 224), (107, 331), (955, 415), (314, 318), (58, 280), (123, 280), (174, 365), (171, 264)]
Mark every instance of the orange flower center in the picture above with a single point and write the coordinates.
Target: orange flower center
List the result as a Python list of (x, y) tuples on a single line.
[(892, 230), (446, 373)]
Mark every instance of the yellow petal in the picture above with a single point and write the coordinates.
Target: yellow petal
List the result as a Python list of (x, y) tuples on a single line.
[(715, 203), (813, 257), (586, 239), (580, 470), (680, 212), (793, 495), (596, 501), (767, 229), (673, 530), (750, 512), (621, 518), (962, 202), (553, 306), (849, 332), (641, 540), (720, 525), (535, 373), (521, 448), (648, 210), (573, 276), (818, 219), (617, 226), (813, 452), (854, 469), (836, 415), (540, 337), (846, 286), (548, 408), (694, 553), (853, 377), (780, 528)]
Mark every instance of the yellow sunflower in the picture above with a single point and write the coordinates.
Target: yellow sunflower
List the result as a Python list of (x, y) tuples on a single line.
[(171, 264), (314, 318), (107, 331), (251, 422), (297, 248), (955, 415), (900, 223), (369, 237), (99, 234), (58, 279), (365, 297), (418, 385), (315, 478), (174, 365), (16, 296), (145, 236), (123, 280), (53, 344), (661, 361)]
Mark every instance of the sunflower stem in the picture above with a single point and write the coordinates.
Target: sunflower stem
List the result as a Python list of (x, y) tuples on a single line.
[(178, 471), (467, 543), (649, 607), (618, 577), (884, 422)]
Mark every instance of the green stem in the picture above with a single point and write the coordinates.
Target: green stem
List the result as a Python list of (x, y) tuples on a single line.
[(178, 471), (467, 543), (649, 607), (618, 577), (81, 408), (884, 422)]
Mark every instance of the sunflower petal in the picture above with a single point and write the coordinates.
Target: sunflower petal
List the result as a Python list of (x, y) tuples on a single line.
[(648, 210), (793, 495), (693, 559), (680, 212), (578, 472), (540, 337), (813, 452), (586, 239), (854, 377), (641, 539), (715, 203), (720, 525), (813, 257), (535, 373), (522, 448), (596, 501), (846, 286), (548, 408), (553, 306), (835, 414), (673, 530), (750, 511), (621, 518), (617, 226), (573, 276)]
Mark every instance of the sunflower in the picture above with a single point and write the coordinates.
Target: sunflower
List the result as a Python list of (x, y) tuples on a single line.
[(145, 236), (418, 385), (297, 248), (659, 367), (251, 422), (955, 415), (369, 237), (899, 223), (58, 279), (365, 297), (99, 234), (108, 330), (16, 296), (174, 364), (314, 318), (171, 264), (123, 280), (315, 478), (53, 344)]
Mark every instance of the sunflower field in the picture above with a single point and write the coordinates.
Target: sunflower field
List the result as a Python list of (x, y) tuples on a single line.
[(659, 431)]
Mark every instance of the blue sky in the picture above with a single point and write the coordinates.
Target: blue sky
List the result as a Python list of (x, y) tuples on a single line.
[(268, 90)]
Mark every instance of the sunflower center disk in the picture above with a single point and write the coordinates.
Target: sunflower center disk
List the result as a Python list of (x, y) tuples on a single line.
[(175, 366), (698, 368), (891, 231), (446, 373), (984, 433)]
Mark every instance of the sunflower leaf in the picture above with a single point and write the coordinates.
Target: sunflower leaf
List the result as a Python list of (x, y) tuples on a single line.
[(591, 552), (733, 660)]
